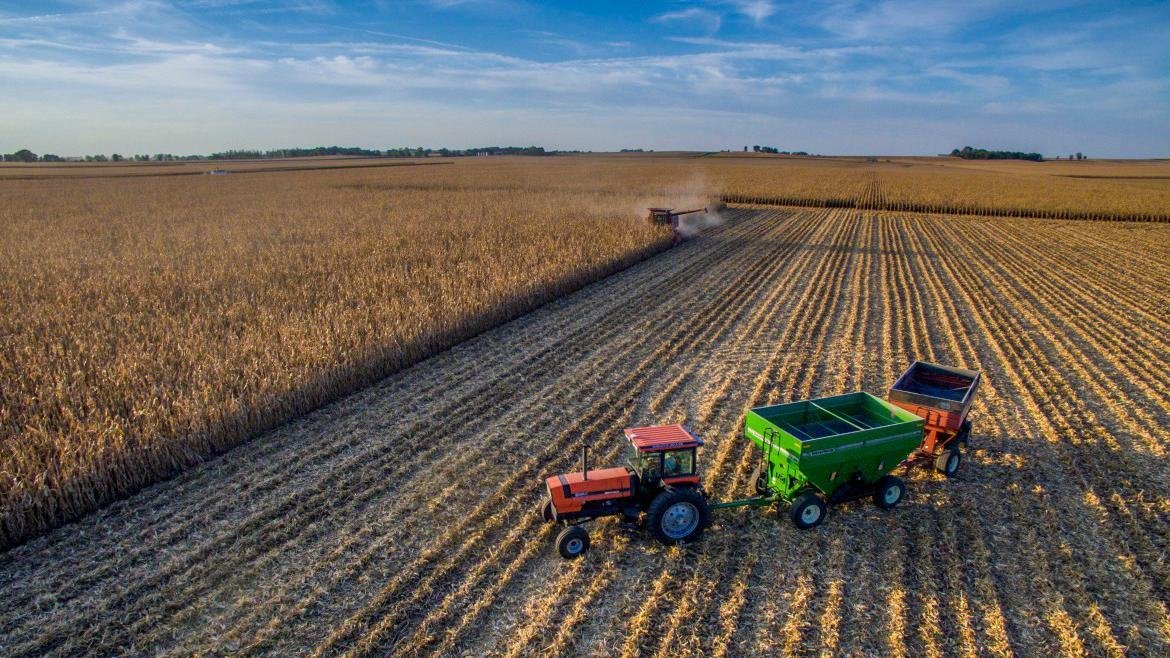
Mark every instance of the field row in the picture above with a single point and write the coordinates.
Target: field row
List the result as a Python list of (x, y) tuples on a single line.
[(403, 519)]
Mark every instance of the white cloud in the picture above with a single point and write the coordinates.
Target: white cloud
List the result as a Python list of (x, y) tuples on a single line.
[(890, 20), (757, 10), (703, 18)]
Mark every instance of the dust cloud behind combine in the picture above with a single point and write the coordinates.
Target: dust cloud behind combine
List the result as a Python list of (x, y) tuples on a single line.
[(691, 225)]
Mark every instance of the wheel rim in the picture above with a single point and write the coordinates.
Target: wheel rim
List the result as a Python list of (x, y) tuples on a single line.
[(810, 514), (574, 545), (892, 494), (680, 520)]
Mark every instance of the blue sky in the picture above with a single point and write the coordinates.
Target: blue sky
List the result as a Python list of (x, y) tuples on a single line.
[(892, 77)]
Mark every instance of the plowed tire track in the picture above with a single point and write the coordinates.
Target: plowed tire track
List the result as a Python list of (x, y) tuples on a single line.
[(402, 520)]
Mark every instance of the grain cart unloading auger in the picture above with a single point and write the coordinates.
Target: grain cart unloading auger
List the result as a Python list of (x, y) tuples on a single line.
[(815, 453)]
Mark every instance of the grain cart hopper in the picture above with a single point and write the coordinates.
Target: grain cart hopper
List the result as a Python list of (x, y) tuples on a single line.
[(669, 217), (660, 479), (942, 395), (829, 450)]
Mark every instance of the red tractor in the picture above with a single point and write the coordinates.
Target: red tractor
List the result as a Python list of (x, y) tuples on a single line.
[(660, 480)]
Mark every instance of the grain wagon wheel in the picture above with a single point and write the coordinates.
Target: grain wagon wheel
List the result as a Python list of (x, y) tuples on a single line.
[(808, 510), (573, 542), (949, 461), (889, 492), (964, 437)]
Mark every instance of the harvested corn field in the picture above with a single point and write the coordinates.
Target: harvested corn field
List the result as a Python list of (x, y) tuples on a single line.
[(404, 519)]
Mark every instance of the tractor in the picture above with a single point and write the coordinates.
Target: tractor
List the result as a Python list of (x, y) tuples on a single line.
[(658, 485)]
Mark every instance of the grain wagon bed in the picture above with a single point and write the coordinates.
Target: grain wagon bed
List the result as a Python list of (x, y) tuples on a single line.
[(829, 450), (942, 396)]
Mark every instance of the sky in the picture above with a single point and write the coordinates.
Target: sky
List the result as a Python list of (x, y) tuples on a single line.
[(893, 77)]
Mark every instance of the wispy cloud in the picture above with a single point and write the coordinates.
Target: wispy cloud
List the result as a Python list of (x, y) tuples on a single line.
[(891, 20), (757, 10), (705, 19)]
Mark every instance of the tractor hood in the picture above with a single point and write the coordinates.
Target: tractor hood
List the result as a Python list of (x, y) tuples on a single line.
[(569, 491)]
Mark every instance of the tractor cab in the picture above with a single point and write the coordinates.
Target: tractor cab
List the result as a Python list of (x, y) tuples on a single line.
[(662, 455)]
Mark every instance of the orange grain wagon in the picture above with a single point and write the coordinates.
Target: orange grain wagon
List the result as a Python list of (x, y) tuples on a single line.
[(941, 395)]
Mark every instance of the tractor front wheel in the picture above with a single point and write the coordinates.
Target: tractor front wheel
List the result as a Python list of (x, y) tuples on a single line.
[(678, 515), (808, 510), (949, 461), (573, 542), (890, 491), (546, 511)]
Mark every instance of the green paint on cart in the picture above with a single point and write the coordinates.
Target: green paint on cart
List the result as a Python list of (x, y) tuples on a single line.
[(828, 443), (829, 450)]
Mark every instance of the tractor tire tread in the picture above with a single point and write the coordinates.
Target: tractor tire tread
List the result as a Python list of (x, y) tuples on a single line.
[(670, 496), (566, 536)]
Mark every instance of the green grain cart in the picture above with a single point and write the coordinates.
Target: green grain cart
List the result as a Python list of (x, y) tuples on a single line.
[(827, 451)]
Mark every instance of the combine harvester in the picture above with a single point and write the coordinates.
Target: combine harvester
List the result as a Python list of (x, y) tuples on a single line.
[(670, 217), (815, 453)]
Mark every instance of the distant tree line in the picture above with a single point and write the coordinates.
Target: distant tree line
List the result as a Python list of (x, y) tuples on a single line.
[(968, 153), (773, 149), (294, 153), (404, 152), (25, 155)]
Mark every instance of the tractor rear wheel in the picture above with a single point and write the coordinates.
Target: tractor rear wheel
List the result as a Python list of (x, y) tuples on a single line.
[(889, 492), (573, 542), (949, 461), (678, 515), (808, 510)]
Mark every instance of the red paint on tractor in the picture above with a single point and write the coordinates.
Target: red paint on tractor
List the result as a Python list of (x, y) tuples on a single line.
[(570, 491), (662, 437)]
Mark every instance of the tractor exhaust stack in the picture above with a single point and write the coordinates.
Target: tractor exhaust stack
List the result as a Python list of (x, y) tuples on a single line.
[(584, 461)]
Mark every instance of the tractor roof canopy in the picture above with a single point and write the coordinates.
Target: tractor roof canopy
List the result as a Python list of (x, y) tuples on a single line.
[(661, 437)]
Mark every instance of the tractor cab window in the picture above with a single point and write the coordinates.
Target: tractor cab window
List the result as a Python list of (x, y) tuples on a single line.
[(650, 465), (678, 462)]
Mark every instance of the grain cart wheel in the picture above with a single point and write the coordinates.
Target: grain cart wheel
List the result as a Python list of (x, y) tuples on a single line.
[(808, 510), (678, 515), (546, 510), (949, 461), (573, 542), (964, 436), (889, 492)]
